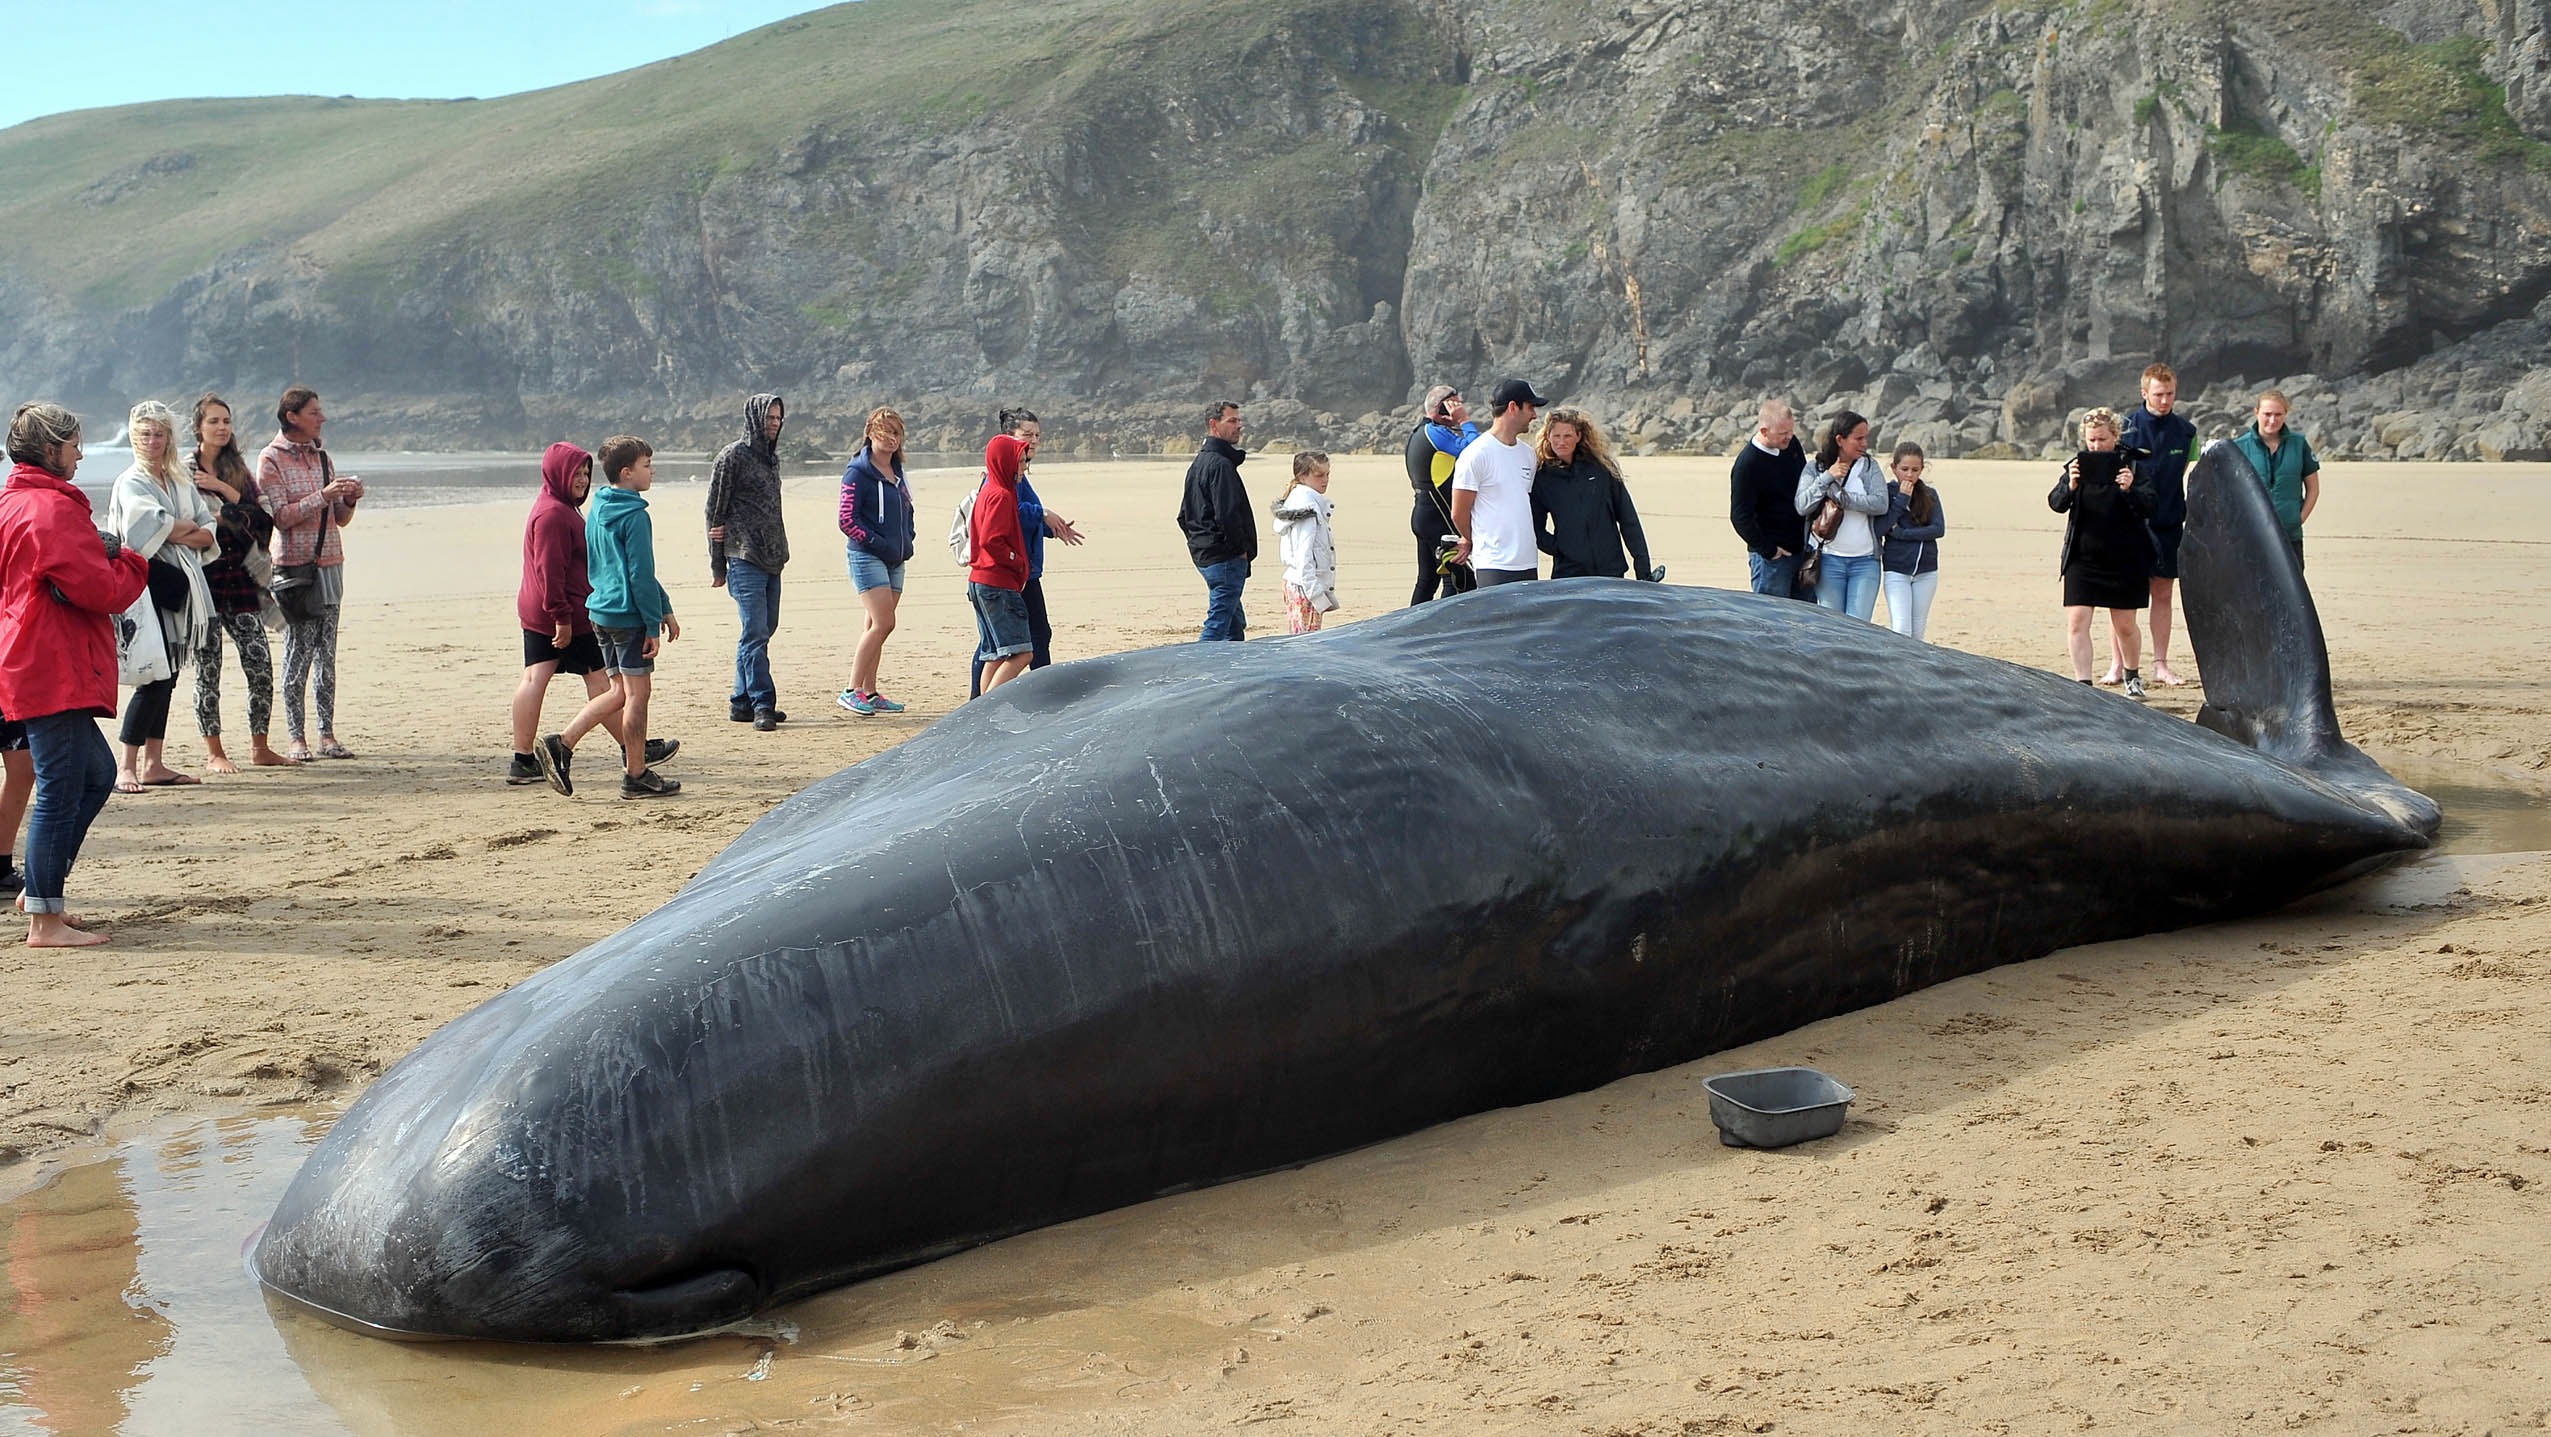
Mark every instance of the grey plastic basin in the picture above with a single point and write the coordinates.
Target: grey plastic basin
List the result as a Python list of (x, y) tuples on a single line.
[(1775, 1107)]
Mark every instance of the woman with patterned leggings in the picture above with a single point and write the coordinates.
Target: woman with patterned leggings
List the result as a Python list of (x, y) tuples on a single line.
[(310, 502), (238, 598)]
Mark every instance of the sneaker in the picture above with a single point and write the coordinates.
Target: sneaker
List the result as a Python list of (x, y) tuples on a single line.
[(885, 705), (766, 720), (861, 704), (739, 710), (523, 769), (555, 756), (12, 882), (649, 784), (2134, 685), (658, 750)]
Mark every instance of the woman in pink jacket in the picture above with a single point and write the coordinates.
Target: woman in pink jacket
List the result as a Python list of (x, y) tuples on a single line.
[(62, 587)]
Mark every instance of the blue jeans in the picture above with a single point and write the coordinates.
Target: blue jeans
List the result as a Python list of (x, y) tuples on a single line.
[(1223, 617), (74, 772), (1776, 577), (756, 592), (1848, 585)]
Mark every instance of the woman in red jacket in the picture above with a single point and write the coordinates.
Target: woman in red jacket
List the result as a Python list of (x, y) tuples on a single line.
[(62, 586)]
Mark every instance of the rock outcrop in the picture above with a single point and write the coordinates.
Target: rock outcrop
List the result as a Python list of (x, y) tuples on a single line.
[(1969, 220)]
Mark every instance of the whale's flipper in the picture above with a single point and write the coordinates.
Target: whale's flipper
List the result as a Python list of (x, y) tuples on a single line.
[(2258, 638)]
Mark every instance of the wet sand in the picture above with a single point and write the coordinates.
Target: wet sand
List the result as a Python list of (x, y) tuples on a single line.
[(2284, 1173)]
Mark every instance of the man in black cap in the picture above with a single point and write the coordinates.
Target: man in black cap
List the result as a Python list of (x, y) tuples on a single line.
[(1492, 492)]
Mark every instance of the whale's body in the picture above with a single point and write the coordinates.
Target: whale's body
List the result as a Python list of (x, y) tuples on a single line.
[(1179, 915)]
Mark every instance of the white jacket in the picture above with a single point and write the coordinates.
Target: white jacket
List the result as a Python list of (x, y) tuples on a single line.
[(143, 515), (1309, 548)]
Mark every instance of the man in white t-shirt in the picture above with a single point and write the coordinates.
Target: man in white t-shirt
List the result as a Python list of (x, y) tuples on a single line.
[(1492, 492)]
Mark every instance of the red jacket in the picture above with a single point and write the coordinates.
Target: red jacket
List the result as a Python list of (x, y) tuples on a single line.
[(554, 582), (59, 598), (1000, 548)]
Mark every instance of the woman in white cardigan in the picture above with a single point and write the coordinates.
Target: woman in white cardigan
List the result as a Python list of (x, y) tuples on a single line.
[(158, 513), (1843, 474)]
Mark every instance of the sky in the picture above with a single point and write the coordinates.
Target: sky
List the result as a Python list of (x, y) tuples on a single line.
[(122, 52)]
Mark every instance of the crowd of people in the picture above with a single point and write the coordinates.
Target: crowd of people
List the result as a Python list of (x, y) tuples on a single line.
[(193, 558)]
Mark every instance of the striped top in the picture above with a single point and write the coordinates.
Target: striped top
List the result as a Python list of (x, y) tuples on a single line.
[(290, 475)]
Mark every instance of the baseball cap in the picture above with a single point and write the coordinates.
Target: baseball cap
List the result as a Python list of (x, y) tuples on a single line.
[(1515, 391)]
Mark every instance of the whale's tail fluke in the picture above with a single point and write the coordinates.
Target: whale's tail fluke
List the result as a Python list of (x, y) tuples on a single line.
[(2258, 638)]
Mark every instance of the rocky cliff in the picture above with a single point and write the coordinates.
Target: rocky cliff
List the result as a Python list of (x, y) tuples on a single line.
[(1968, 219)]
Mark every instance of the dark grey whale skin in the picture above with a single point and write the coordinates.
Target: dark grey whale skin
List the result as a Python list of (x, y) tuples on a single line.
[(1145, 922)]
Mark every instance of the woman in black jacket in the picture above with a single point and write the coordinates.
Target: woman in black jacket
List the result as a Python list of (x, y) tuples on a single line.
[(1580, 507), (2107, 557)]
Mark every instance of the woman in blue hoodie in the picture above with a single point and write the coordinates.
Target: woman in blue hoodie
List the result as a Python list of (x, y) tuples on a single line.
[(876, 516), (1909, 543)]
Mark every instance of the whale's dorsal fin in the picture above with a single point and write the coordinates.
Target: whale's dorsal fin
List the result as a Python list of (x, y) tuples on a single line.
[(2265, 663)]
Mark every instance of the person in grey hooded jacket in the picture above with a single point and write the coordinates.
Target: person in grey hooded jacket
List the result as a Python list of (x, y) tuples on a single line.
[(748, 546)]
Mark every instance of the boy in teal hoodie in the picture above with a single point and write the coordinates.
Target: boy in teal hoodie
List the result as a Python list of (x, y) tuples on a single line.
[(627, 607)]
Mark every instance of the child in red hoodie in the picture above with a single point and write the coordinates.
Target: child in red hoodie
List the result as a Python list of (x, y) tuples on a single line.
[(997, 578)]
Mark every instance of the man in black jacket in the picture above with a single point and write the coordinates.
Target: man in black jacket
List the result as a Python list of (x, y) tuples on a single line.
[(1222, 535), (1762, 502)]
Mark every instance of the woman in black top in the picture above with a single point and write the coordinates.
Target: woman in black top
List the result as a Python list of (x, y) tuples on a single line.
[(1581, 510), (239, 595), (2107, 558)]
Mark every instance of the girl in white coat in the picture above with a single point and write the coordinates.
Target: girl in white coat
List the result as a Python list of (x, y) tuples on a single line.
[(1309, 547), (157, 512)]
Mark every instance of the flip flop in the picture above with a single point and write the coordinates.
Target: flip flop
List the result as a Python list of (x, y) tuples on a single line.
[(334, 749), (174, 780)]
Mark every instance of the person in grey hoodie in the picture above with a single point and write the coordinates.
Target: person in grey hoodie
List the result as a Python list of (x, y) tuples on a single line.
[(748, 546)]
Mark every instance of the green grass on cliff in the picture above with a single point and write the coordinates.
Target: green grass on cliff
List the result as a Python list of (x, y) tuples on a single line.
[(113, 207)]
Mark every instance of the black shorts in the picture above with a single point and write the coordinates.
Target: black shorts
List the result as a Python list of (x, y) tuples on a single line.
[(581, 656), (2165, 550), (2086, 586)]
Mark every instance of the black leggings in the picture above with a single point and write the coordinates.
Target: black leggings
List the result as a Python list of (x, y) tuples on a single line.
[(146, 715), (1430, 527)]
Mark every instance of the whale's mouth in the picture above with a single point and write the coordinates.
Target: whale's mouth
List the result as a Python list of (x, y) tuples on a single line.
[(689, 1302)]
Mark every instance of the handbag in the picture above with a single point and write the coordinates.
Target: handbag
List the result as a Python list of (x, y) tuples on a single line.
[(1828, 521), (1809, 566), (141, 652)]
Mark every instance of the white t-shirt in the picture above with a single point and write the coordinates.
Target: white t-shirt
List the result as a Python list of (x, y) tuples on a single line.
[(1501, 517)]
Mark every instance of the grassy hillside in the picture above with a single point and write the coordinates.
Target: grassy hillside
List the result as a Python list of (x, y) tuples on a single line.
[(111, 207)]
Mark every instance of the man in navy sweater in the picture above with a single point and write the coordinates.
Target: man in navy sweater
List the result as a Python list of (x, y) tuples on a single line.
[(2170, 443), (1762, 502)]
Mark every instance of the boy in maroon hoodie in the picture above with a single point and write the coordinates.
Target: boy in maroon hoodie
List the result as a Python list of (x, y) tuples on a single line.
[(997, 578), (551, 604)]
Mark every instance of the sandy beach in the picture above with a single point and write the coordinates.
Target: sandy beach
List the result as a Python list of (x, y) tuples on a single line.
[(2291, 1173)]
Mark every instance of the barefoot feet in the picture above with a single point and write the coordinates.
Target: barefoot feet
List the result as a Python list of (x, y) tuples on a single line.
[(2164, 674)]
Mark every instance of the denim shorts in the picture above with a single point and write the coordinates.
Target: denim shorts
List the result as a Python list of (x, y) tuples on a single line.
[(624, 651), (1000, 622), (867, 571)]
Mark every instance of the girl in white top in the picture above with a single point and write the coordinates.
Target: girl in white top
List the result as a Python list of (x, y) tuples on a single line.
[(1308, 545), (158, 513), (1841, 472)]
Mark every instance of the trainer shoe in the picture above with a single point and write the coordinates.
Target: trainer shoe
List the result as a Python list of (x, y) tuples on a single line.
[(739, 710), (884, 704), (658, 750), (522, 769), (2134, 686), (649, 784), (555, 757), (861, 704), (766, 719)]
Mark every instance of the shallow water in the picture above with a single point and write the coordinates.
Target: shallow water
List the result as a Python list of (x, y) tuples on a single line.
[(2485, 812)]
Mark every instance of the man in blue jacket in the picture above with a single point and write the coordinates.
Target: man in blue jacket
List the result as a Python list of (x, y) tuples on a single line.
[(2170, 445)]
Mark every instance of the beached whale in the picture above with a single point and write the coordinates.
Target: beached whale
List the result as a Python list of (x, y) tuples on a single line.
[(1171, 917)]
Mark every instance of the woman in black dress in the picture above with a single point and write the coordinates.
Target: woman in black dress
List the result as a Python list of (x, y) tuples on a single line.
[(2107, 559)]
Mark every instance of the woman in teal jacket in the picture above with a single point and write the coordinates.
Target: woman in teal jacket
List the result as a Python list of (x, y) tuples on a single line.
[(2284, 461)]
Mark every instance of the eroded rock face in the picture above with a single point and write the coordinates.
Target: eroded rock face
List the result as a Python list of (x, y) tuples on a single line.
[(1969, 220)]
